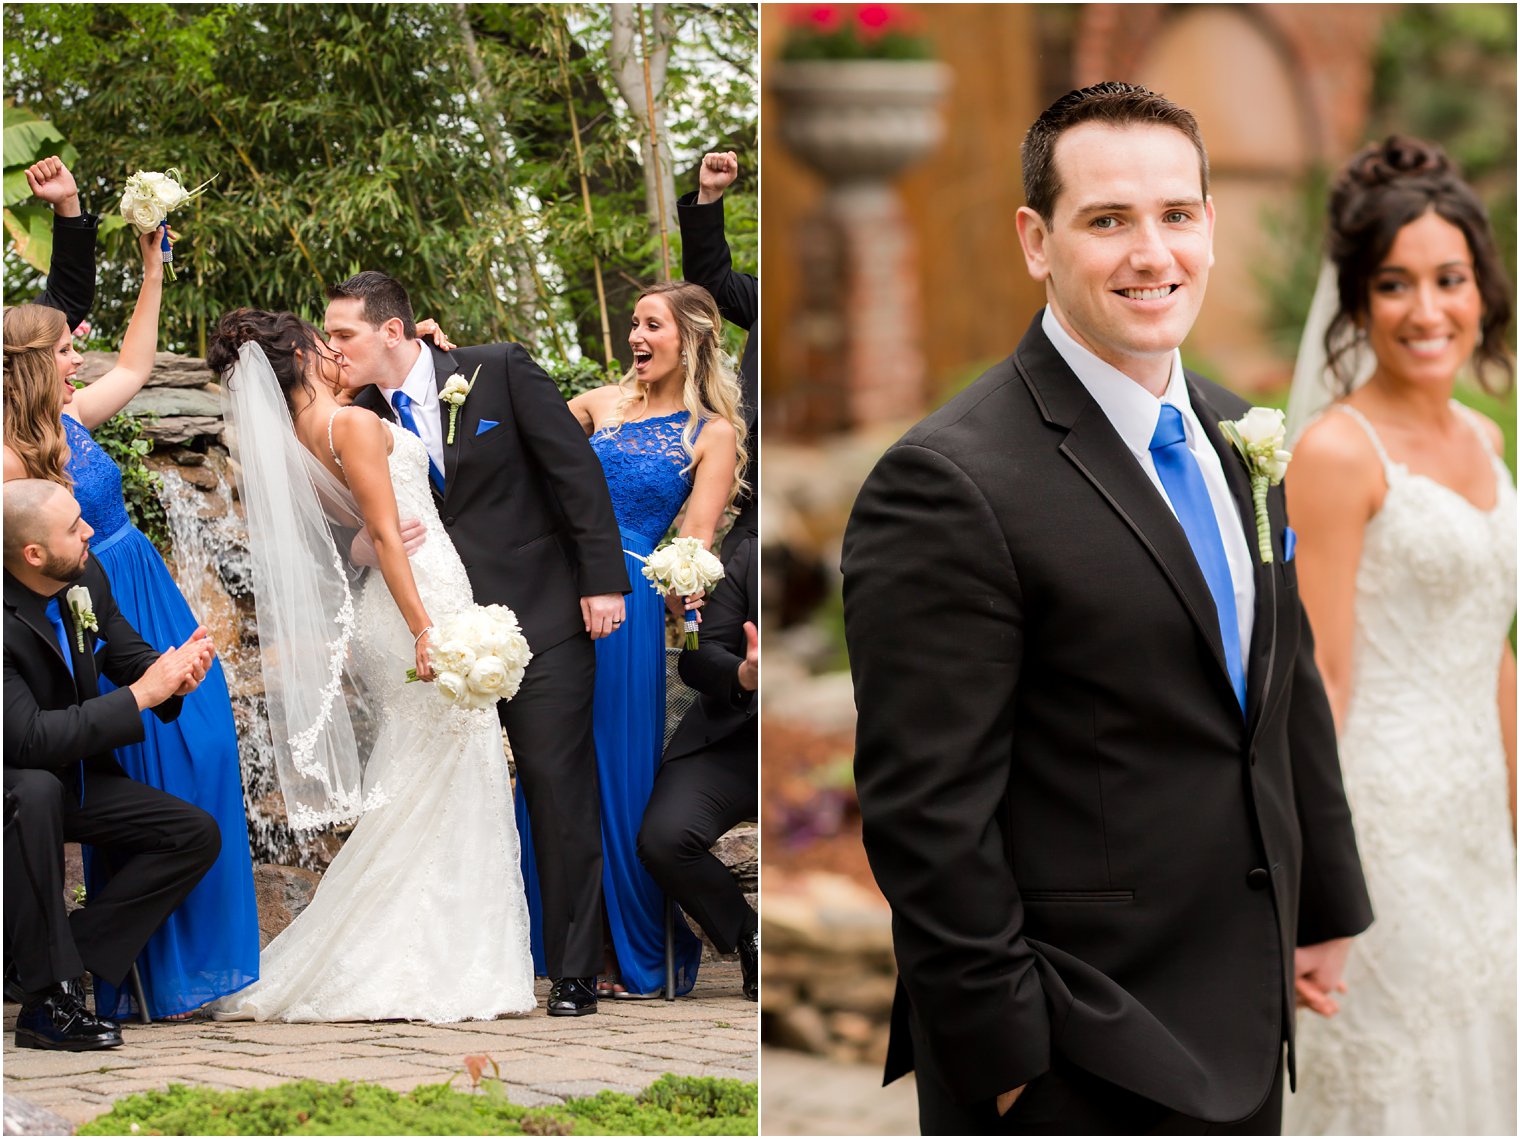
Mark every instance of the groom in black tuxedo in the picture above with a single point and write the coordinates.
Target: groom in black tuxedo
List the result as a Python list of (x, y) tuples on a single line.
[(1096, 767), (62, 783), (525, 502)]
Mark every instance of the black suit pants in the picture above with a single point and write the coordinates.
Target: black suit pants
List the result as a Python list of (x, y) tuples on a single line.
[(1067, 1100), (696, 798), (160, 848), (548, 724)]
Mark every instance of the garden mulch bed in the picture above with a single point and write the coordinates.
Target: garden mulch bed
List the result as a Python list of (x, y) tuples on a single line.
[(810, 820)]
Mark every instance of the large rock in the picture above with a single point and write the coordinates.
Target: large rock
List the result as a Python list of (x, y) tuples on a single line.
[(169, 370), (282, 892)]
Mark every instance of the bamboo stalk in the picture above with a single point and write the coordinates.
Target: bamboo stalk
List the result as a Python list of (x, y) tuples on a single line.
[(580, 165), (654, 152)]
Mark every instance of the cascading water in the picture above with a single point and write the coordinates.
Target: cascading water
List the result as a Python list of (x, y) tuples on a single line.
[(211, 566)]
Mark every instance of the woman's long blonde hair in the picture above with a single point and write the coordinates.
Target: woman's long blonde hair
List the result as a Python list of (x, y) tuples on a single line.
[(709, 388), (33, 397)]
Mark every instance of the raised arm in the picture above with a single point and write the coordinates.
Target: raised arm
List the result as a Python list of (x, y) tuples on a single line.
[(935, 628), (362, 444), (95, 404), (705, 256), (71, 270)]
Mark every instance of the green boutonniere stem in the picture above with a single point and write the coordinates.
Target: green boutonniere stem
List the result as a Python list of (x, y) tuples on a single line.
[(453, 421), (1263, 525)]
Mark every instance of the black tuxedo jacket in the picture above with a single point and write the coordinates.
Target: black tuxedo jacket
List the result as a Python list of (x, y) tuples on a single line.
[(71, 270), (54, 719), (1089, 851), (525, 502), (722, 708), (706, 261)]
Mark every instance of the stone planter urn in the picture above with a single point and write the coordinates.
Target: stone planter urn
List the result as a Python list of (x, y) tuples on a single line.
[(858, 124), (860, 120)]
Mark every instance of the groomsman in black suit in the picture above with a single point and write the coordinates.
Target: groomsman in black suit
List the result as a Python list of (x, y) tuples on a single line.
[(708, 780), (71, 271), (706, 261), (524, 500), (63, 631), (1097, 770)]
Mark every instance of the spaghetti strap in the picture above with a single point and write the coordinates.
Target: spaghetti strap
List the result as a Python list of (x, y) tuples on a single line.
[(1476, 421), (1377, 444), (330, 448)]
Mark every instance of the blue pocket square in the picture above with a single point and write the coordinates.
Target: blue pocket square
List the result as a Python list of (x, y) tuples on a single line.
[(485, 425), (1290, 543)]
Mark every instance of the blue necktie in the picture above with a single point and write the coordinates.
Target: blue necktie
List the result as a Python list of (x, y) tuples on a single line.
[(56, 618), (1190, 499), (403, 405)]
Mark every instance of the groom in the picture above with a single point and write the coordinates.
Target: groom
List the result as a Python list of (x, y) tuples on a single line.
[(524, 501), (1096, 767)]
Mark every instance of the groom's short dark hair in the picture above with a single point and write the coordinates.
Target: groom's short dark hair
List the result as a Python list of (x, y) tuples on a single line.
[(381, 297), (1112, 103)]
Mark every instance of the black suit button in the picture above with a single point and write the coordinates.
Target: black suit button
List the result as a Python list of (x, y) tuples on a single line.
[(449, 521), (1258, 879)]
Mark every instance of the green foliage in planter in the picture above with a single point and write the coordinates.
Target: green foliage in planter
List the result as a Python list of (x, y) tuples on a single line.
[(673, 1105), (851, 32), (122, 438)]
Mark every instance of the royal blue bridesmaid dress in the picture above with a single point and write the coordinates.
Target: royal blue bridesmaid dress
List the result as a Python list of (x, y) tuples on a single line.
[(209, 947), (643, 461)]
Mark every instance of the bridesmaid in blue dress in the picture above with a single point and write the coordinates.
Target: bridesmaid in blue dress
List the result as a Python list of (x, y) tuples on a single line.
[(209, 947), (669, 435)]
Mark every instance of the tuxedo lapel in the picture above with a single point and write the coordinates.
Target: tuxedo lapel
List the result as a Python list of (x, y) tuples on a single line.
[(444, 366), (1094, 447), (1262, 654), (33, 613)]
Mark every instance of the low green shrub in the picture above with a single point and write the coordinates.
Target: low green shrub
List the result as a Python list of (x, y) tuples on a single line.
[(672, 1105)]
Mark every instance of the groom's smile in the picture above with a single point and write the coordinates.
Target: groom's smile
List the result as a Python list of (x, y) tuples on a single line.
[(1125, 255)]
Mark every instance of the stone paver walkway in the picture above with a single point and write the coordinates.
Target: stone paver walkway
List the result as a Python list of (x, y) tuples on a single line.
[(809, 1095), (543, 1059)]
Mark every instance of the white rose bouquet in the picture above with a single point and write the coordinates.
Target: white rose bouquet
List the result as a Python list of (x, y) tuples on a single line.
[(1259, 436), (683, 566), (479, 656), (149, 198)]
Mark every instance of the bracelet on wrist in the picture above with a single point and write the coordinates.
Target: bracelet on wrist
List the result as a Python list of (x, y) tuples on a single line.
[(420, 635)]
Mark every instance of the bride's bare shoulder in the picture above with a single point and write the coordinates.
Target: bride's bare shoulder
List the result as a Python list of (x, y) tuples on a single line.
[(358, 427)]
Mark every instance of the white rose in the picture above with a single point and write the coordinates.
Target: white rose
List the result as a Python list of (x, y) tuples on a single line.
[(685, 580), (456, 387), (1262, 427), (453, 656), (709, 567), (451, 685), (143, 213), (1277, 466), (163, 188), (489, 675)]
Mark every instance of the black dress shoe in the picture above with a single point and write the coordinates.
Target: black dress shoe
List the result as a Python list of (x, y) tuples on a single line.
[(749, 964), (573, 996), (58, 1022)]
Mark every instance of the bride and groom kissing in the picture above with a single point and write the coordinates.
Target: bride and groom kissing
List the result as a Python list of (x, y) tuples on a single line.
[(422, 915)]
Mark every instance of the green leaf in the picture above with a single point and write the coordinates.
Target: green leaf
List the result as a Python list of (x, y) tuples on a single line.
[(31, 230)]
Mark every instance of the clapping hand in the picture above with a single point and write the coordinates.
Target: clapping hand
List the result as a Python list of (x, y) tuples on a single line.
[(749, 668), (176, 672), (51, 181), (716, 174)]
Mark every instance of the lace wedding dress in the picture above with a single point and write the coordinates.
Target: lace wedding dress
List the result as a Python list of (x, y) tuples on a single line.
[(1425, 1039), (422, 915)]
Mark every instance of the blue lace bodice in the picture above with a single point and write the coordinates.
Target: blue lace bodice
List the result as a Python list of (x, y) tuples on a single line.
[(642, 461), (97, 481)]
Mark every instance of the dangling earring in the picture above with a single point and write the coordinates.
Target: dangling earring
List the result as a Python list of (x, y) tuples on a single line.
[(683, 359)]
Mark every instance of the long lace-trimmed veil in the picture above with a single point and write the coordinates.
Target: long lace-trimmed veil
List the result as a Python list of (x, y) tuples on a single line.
[(1314, 387), (301, 591)]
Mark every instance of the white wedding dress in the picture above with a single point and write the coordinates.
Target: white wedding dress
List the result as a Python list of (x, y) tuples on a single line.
[(422, 915), (1424, 1042)]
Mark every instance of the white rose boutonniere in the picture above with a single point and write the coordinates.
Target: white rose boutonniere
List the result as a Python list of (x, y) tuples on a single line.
[(455, 391), (148, 200), (1259, 436), (78, 598)]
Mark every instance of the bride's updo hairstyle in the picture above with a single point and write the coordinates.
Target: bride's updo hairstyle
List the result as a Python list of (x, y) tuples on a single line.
[(1382, 189), (709, 387), (34, 393), (280, 334)]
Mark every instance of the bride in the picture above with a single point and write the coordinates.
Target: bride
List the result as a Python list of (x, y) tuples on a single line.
[(422, 914)]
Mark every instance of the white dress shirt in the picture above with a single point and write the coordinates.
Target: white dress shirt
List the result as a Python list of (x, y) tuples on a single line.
[(1134, 413), (421, 388)]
